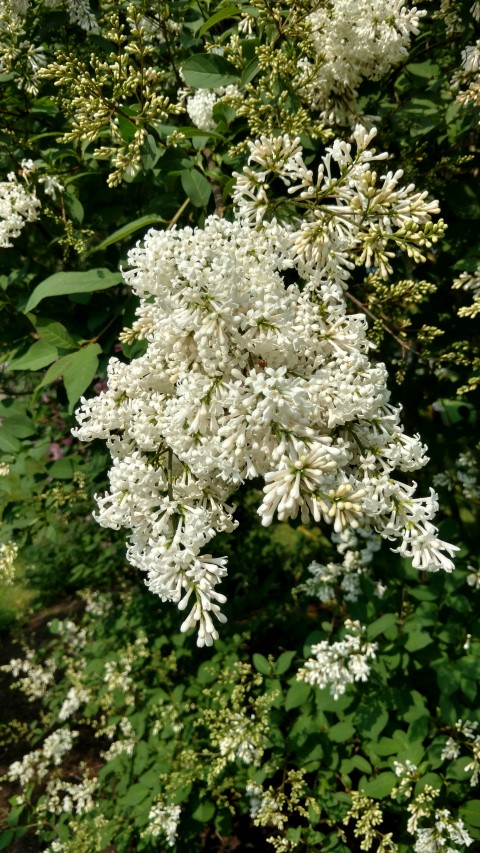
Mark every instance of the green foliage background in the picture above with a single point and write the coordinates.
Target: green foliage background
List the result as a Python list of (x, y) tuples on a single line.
[(63, 306)]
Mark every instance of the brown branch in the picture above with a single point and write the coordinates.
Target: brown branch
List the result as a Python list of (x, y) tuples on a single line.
[(364, 308), (216, 188)]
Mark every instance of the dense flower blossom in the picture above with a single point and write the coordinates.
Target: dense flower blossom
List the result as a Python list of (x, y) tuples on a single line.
[(471, 283), (245, 376), (17, 207), (327, 581), (340, 214), (336, 665), (353, 40), (444, 836), (163, 821), (8, 555), (35, 765)]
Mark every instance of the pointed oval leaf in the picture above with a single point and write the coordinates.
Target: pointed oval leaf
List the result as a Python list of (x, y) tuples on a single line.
[(40, 354), (208, 71), (196, 187), (65, 283), (127, 230)]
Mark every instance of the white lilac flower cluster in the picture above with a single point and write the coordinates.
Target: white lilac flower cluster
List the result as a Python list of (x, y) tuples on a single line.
[(339, 664), (407, 773), (124, 745), (17, 207), (62, 797), (200, 105), (328, 581), (35, 765), (467, 729), (8, 556), (244, 739), (464, 477), (446, 835), (353, 40), (341, 214), (247, 376), (471, 283), (163, 821), (79, 11), (466, 80), (36, 678)]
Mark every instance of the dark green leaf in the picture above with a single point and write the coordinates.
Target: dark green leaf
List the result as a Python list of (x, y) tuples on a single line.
[(204, 812), (261, 664), (471, 813), (341, 732), (226, 12), (196, 187), (64, 283), (208, 71), (381, 786), (53, 332), (283, 662), (297, 694), (77, 369), (40, 354), (127, 230)]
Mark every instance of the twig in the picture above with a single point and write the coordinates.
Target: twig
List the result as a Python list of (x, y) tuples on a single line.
[(364, 308), (178, 214), (216, 188)]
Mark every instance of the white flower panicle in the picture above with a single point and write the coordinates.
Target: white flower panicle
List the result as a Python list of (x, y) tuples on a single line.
[(328, 581), (163, 821), (445, 836), (36, 678), (469, 282), (17, 207), (200, 105), (8, 556), (35, 765), (336, 665), (466, 79), (341, 214), (245, 376), (353, 40)]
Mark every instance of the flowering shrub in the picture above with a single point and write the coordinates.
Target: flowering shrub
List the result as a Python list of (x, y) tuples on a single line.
[(235, 325)]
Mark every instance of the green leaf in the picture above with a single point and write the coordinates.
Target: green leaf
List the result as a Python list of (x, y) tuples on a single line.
[(150, 153), (77, 369), (250, 71), (74, 208), (418, 640), (261, 664), (20, 426), (297, 694), (65, 283), (470, 812), (8, 442), (386, 624), (226, 12), (196, 187), (204, 812), (40, 354), (381, 786), (54, 333), (136, 794), (127, 230), (208, 71), (341, 732), (283, 662)]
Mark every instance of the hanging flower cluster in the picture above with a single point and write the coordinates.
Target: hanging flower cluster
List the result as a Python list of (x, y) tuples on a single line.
[(246, 376), (353, 40), (17, 207), (342, 213)]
